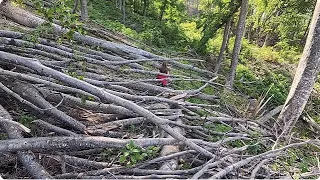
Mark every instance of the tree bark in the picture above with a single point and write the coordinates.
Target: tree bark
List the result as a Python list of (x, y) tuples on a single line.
[(124, 11), (75, 6), (162, 10), (84, 10), (209, 30), (27, 158), (237, 44), (106, 97), (145, 6), (223, 46), (304, 79), (266, 40)]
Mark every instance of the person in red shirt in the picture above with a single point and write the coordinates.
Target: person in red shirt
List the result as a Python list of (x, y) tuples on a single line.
[(164, 70)]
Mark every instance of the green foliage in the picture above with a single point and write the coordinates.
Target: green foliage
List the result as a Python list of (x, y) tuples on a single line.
[(302, 160), (26, 119), (285, 20), (162, 34), (3, 136), (44, 28), (218, 127), (63, 13), (255, 148), (108, 154), (75, 75), (255, 86), (233, 99), (215, 15), (186, 165), (132, 154), (261, 68), (84, 98)]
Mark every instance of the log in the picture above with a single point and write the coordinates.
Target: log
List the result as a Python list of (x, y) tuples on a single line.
[(45, 144), (27, 158), (30, 93), (103, 95)]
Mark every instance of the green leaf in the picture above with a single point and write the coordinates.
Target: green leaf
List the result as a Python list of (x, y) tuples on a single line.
[(83, 100), (133, 159), (136, 150), (122, 159), (126, 154)]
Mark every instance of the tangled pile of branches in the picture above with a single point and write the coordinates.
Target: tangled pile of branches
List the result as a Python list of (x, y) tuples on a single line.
[(102, 114)]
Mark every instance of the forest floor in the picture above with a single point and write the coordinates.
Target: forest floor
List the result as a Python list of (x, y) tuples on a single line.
[(94, 109)]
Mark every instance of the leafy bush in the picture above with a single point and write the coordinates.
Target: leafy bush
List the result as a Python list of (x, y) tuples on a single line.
[(62, 12), (162, 34), (256, 86), (132, 154)]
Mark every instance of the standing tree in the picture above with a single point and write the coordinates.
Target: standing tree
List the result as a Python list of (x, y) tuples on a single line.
[(162, 9), (214, 19), (75, 6), (84, 10), (304, 79), (223, 46), (145, 7), (237, 43)]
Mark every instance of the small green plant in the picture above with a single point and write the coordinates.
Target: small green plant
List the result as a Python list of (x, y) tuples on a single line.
[(302, 160), (3, 136), (84, 98), (132, 154), (108, 154), (255, 148), (217, 128), (186, 165), (75, 75), (26, 119)]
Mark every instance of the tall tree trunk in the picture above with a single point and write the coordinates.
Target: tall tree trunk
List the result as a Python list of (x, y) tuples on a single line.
[(266, 40), (124, 11), (305, 77), (306, 32), (223, 46), (237, 43), (209, 30), (163, 8), (134, 6), (230, 34), (75, 6), (145, 6), (119, 4), (84, 10)]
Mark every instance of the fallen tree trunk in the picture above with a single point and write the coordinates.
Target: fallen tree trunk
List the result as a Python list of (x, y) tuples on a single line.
[(27, 158), (45, 144), (30, 93), (103, 95)]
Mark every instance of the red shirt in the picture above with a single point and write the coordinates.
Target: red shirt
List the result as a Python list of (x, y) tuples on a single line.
[(164, 81)]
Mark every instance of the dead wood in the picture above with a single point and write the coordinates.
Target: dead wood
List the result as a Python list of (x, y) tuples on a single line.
[(98, 81), (27, 158), (265, 155), (35, 65), (58, 87), (171, 164), (54, 128), (80, 162), (90, 105), (81, 143), (164, 158), (31, 94), (102, 129)]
